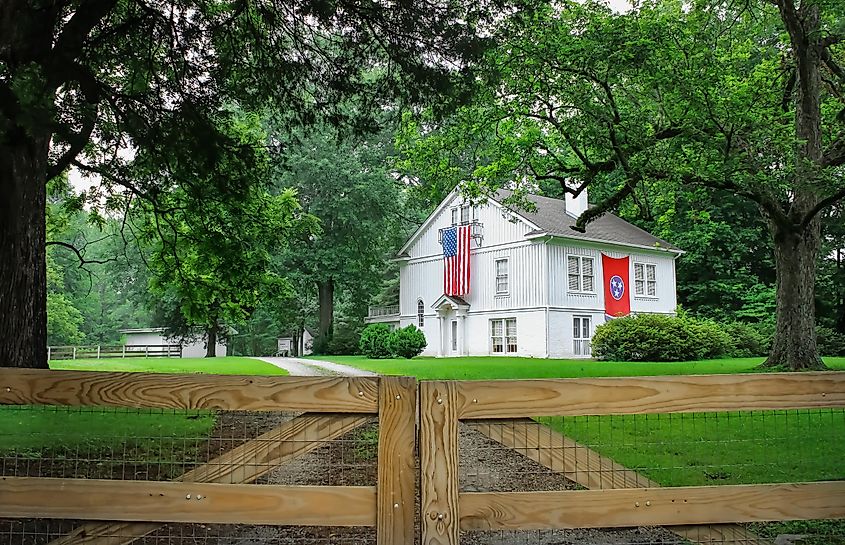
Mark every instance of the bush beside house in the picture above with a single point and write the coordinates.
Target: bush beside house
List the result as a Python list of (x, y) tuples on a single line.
[(656, 337), (378, 341)]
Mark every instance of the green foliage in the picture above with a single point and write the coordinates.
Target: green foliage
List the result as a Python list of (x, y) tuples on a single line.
[(373, 343), (406, 342), (746, 340), (655, 337), (830, 342), (345, 184), (63, 321), (345, 340), (214, 232)]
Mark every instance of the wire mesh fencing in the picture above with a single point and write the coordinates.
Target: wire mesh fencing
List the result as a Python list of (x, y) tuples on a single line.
[(230, 447), (203, 446), (611, 452)]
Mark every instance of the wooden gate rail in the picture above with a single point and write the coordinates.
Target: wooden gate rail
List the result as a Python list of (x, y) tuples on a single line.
[(141, 506), (445, 511)]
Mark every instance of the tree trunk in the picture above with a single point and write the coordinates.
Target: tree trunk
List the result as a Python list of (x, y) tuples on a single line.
[(297, 339), (794, 344), (23, 263), (325, 293), (798, 236), (25, 40), (211, 338)]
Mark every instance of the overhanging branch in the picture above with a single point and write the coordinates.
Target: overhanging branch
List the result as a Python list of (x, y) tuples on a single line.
[(80, 254)]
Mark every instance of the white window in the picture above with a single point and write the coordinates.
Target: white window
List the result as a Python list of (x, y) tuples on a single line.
[(502, 283), (645, 279), (454, 335), (581, 335), (463, 214), (503, 336), (420, 313), (580, 274)]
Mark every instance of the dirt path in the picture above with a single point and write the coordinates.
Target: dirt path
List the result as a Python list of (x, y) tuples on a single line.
[(310, 368)]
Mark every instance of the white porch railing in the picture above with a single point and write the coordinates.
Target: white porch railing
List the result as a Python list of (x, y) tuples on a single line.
[(390, 310)]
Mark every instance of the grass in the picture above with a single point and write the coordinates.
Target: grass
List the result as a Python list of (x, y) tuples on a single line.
[(230, 365), (677, 449), (700, 449), (152, 436), (504, 367)]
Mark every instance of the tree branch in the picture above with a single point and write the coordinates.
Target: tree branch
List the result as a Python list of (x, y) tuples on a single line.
[(71, 40), (834, 155), (595, 212), (821, 205), (80, 254)]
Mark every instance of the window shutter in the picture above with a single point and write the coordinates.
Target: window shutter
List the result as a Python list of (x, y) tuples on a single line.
[(587, 265), (573, 265), (638, 271)]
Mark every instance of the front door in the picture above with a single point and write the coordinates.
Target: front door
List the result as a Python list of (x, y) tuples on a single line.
[(581, 326), (454, 337)]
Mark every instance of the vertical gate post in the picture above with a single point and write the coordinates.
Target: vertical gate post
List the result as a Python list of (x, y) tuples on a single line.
[(397, 407), (439, 515)]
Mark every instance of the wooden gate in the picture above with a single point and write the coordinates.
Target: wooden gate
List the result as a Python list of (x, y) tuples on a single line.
[(332, 407), (610, 495)]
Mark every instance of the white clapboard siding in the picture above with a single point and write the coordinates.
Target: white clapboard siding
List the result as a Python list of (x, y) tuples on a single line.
[(561, 297)]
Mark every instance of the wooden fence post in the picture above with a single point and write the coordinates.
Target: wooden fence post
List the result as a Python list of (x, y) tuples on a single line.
[(440, 522), (74, 352), (98, 351), (147, 351), (123, 353), (397, 409), (49, 353)]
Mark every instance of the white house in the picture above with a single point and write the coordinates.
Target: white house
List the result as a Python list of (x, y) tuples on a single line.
[(157, 336), (537, 287)]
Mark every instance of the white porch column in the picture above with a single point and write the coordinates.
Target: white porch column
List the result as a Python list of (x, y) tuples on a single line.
[(462, 333), (441, 349)]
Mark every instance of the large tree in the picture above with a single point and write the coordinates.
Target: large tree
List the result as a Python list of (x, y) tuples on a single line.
[(88, 83), (214, 232), (742, 98), (347, 186)]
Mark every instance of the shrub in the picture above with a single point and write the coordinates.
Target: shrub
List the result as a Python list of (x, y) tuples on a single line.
[(406, 342), (655, 337), (373, 343), (830, 342), (345, 341), (747, 340)]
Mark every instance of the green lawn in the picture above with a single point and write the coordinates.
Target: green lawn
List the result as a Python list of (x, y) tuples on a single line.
[(230, 365), (163, 437), (500, 367)]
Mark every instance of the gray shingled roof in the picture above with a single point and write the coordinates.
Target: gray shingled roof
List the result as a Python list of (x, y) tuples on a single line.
[(552, 219)]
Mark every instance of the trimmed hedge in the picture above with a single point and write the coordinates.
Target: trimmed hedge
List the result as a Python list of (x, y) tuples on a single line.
[(406, 342), (378, 341), (656, 337), (373, 343)]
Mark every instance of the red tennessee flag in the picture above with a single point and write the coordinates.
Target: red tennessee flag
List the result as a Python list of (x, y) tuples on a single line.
[(616, 300), (456, 260)]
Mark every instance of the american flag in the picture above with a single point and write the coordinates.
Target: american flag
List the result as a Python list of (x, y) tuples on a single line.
[(456, 260)]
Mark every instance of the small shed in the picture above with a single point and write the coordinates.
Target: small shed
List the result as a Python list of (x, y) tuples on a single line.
[(285, 345), (157, 336)]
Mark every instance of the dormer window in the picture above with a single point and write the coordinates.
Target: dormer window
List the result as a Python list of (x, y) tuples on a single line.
[(463, 214)]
